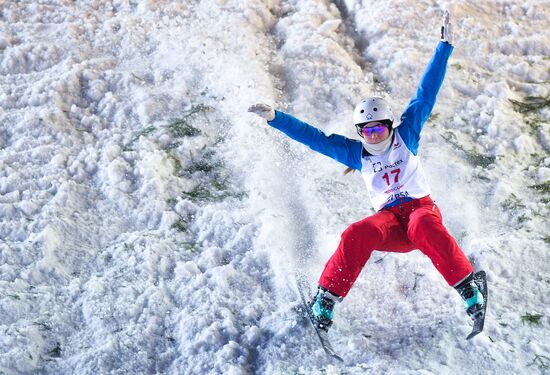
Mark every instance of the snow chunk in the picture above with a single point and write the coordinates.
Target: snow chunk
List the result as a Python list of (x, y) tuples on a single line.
[(543, 174), (28, 207), (186, 270), (329, 26), (28, 58)]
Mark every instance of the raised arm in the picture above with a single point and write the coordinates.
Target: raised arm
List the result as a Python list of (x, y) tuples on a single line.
[(337, 147), (421, 105)]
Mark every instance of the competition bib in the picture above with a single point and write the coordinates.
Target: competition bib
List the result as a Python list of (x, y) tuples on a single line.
[(394, 175)]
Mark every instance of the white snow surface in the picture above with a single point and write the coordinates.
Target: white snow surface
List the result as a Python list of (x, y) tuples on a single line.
[(150, 225)]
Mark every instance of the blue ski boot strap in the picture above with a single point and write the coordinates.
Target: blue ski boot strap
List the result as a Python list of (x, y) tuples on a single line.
[(475, 299), (319, 309)]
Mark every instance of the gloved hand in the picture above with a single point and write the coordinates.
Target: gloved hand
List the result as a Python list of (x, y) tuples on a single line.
[(263, 110), (446, 29)]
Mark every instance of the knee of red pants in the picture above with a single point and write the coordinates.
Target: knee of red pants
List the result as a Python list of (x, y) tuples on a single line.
[(367, 231), (356, 245), (427, 231), (424, 222)]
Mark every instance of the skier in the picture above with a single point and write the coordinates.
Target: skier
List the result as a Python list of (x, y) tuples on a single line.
[(406, 218)]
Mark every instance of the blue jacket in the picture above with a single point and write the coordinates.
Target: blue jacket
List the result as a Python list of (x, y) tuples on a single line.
[(348, 151)]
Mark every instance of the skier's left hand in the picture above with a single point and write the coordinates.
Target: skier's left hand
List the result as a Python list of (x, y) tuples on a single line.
[(446, 29), (263, 110)]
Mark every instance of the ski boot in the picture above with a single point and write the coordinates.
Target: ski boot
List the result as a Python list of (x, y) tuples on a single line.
[(322, 308), (474, 303)]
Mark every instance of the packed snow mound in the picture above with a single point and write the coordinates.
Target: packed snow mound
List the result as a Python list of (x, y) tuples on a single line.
[(149, 224)]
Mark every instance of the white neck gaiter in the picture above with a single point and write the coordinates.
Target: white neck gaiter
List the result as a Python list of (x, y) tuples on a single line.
[(378, 148)]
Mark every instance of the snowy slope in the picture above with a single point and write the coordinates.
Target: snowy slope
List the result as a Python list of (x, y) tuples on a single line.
[(149, 224)]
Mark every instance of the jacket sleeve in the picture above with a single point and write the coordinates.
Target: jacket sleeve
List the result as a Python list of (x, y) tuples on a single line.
[(421, 105), (337, 147)]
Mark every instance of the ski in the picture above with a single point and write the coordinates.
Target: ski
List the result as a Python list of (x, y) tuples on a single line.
[(305, 295), (480, 279)]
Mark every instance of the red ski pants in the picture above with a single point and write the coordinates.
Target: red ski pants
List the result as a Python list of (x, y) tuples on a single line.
[(412, 225)]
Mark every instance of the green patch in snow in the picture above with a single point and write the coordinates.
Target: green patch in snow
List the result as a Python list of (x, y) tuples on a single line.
[(530, 104), (543, 188), (472, 156), (512, 203), (177, 163), (434, 117), (192, 246), (542, 361), (534, 125), (205, 166), (144, 132), (182, 127), (180, 225), (179, 128), (457, 66), (523, 218), (211, 191), (531, 318), (215, 181)]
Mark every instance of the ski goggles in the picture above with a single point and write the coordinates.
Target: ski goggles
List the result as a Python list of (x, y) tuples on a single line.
[(368, 131)]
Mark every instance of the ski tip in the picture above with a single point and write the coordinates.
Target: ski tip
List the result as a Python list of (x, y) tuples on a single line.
[(477, 330)]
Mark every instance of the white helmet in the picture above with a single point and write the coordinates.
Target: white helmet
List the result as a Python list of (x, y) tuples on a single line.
[(372, 109)]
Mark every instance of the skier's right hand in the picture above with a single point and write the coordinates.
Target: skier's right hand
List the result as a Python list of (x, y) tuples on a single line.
[(263, 110)]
